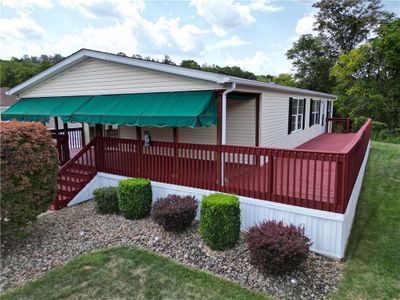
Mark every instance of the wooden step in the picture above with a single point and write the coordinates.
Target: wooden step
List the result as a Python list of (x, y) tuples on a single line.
[(66, 175), (71, 183), (67, 194)]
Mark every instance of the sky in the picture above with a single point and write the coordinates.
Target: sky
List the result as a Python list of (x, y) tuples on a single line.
[(253, 34)]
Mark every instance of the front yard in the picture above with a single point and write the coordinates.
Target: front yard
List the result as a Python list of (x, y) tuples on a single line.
[(371, 270), (123, 273)]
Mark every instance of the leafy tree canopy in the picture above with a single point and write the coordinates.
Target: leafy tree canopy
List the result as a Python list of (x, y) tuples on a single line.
[(347, 23), (368, 77), (311, 57)]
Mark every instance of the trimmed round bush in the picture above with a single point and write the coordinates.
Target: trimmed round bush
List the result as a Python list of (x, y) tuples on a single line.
[(220, 221), (134, 198), (29, 167), (277, 248), (174, 213), (106, 200)]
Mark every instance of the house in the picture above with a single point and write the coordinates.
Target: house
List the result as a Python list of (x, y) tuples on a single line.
[(6, 101), (192, 132)]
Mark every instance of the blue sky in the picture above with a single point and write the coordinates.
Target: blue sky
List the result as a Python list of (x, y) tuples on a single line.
[(254, 34)]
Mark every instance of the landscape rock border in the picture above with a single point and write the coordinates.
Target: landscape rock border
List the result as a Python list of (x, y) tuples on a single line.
[(59, 236)]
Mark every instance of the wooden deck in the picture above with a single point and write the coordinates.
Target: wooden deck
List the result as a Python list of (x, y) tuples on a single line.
[(328, 142), (319, 174)]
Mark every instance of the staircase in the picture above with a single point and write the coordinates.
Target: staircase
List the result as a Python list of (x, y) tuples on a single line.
[(75, 175)]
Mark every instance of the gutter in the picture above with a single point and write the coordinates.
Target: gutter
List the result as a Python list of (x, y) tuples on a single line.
[(223, 135)]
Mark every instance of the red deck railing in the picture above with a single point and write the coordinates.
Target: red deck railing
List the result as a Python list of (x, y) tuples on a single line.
[(74, 140), (338, 125), (311, 179)]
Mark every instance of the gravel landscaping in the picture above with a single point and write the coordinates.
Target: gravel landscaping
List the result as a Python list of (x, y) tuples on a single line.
[(58, 236)]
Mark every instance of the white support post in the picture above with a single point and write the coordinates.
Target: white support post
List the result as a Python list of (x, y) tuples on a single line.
[(223, 129)]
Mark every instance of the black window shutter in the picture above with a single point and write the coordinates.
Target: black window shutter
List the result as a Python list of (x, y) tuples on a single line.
[(290, 116), (311, 110), (304, 113)]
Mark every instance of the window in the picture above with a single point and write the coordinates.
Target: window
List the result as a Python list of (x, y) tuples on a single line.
[(315, 112), (296, 114)]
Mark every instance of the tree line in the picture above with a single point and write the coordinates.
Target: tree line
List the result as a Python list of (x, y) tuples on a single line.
[(354, 53)]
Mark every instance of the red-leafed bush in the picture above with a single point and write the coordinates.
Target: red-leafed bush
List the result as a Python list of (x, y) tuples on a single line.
[(29, 169), (277, 248), (174, 213)]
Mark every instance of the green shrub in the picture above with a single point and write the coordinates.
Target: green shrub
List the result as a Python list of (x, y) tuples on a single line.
[(134, 198), (106, 200), (220, 220), (29, 167)]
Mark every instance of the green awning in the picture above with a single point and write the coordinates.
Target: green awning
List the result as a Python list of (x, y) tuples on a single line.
[(41, 109), (172, 109)]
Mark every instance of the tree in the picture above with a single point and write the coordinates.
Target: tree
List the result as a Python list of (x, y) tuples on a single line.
[(286, 79), (368, 77), (190, 63), (347, 23), (312, 59), (17, 70)]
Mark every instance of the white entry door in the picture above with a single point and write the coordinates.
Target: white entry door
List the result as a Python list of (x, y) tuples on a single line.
[(323, 116)]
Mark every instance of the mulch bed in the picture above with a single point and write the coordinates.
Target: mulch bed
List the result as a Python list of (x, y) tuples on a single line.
[(57, 237)]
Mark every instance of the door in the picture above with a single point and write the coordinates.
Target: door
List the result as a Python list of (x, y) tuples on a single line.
[(323, 116)]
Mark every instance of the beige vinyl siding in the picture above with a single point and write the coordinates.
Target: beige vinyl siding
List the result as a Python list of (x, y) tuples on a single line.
[(127, 132), (274, 122), (241, 122), (97, 77), (203, 135), (160, 134)]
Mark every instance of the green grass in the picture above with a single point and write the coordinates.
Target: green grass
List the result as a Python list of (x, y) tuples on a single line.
[(372, 266), (122, 273)]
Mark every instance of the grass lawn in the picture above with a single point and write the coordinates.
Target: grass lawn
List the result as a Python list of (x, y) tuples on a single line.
[(372, 266), (122, 273)]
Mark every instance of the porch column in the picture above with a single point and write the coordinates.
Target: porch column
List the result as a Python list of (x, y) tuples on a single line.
[(66, 143), (139, 156), (175, 167), (257, 141), (98, 130)]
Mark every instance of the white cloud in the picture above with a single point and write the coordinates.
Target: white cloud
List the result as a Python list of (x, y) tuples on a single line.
[(305, 24), (26, 5), (117, 9), (234, 41), (21, 33), (225, 15), (261, 63)]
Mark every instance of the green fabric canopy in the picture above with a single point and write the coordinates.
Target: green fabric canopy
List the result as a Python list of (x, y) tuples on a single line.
[(172, 109), (41, 109)]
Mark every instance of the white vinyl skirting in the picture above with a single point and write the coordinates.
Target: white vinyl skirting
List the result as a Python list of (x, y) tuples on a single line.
[(328, 231)]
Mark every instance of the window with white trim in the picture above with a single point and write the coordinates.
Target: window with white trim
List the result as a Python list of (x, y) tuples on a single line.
[(315, 112), (297, 114)]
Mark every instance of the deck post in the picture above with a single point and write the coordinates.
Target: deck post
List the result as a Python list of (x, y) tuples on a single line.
[(83, 135), (175, 175), (66, 143), (100, 148), (139, 150), (218, 167), (257, 141)]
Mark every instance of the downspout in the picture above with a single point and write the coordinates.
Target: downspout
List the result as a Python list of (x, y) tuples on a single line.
[(223, 129)]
